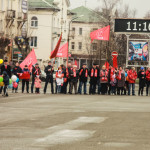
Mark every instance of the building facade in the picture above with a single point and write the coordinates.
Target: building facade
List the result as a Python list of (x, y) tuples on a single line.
[(80, 46), (12, 19), (47, 19)]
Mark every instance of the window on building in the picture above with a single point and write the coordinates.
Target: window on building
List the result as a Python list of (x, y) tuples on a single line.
[(94, 46), (72, 45), (80, 31), (34, 22), (80, 45), (73, 29), (95, 29), (34, 41)]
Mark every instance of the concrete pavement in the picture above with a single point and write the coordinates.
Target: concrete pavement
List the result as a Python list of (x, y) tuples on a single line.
[(74, 122)]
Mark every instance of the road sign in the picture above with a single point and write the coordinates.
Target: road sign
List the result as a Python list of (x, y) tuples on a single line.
[(114, 54), (19, 55), (24, 6), (132, 26)]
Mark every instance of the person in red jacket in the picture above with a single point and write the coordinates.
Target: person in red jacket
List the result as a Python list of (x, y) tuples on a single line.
[(147, 81), (132, 75)]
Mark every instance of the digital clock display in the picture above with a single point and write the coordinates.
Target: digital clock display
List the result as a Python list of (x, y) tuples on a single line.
[(132, 25)]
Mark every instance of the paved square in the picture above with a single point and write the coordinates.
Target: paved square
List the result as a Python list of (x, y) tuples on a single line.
[(76, 122)]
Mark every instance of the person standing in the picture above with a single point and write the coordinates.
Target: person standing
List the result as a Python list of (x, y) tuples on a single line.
[(132, 76), (98, 80), (36, 71), (120, 81), (104, 80), (141, 76), (74, 75), (59, 79), (16, 71), (83, 76), (6, 83), (37, 84), (49, 70), (110, 74), (93, 74), (147, 81), (68, 72), (6, 68), (126, 87), (25, 79)]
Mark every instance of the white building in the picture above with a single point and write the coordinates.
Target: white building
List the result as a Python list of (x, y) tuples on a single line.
[(46, 20)]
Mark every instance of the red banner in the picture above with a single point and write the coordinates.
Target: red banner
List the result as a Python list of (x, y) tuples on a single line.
[(56, 48), (101, 34), (107, 65), (29, 60), (62, 51)]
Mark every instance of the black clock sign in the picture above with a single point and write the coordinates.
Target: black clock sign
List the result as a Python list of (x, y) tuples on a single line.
[(132, 25)]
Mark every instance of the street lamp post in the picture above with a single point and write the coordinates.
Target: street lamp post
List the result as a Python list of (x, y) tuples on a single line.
[(69, 34)]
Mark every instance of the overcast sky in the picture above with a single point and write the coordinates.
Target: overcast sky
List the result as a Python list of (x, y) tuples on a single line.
[(142, 6)]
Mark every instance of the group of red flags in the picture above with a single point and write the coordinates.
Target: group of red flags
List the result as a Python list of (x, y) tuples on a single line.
[(62, 51)]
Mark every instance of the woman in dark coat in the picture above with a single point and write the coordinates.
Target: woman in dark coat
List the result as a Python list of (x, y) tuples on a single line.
[(6, 83), (142, 80), (120, 81)]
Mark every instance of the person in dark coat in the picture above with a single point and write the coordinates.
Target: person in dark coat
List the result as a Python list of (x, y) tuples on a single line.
[(16, 71), (93, 74), (120, 81), (6, 82), (36, 71), (74, 75), (6, 68), (98, 80), (68, 72), (25, 71), (83, 76), (49, 70), (142, 81), (110, 72)]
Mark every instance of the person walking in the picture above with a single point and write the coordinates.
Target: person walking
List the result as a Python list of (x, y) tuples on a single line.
[(104, 80), (141, 76), (49, 70), (120, 81), (36, 71), (83, 77), (147, 81), (74, 75), (132, 76), (93, 74), (16, 71), (25, 79)]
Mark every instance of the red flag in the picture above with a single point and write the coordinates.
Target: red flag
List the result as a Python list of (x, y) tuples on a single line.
[(29, 60), (107, 65), (101, 34), (56, 48), (62, 51), (75, 63)]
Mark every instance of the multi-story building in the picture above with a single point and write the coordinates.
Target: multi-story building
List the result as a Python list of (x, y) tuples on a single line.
[(84, 22), (13, 15), (47, 19)]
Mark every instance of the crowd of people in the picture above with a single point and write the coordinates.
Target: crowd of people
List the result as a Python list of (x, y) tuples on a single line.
[(112, 81)]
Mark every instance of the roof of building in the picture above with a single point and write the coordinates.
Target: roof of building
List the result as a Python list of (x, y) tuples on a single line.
[(41, 4), (88, 15)]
